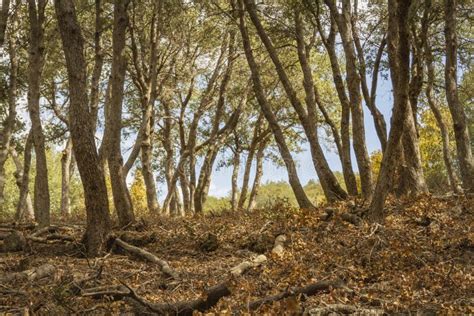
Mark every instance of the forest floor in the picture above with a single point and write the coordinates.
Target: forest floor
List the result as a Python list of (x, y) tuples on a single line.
[(420, 261)]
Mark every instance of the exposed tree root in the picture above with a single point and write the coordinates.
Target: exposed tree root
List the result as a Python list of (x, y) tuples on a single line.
[(45, 270)]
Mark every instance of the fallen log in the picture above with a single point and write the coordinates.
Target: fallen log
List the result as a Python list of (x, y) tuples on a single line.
[(43, 271), (184, 308), (147, 256), (240, 269), (309, 290), (53, 238)]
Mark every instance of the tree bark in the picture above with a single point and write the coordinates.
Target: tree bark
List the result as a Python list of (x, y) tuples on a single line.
[(113, 124), (25, 206), (294, 180), (9, 124), (399, 60), (4, 20), (443, 128), (331, 187), (82, 134), (329, 42), (66, 162), (258, 176), (460, 121), (35, 69), (343, 21), (147, 169), (235, 177), (98, 65)]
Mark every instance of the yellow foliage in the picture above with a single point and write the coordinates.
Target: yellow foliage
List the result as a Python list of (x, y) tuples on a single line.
[(138, 193)]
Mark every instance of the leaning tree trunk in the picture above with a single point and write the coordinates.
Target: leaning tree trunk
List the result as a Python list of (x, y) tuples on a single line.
[(81, 127), (329, 42), (443, 128), (293, 178), (331, 187), (35, 69), (121, 196), (4, 19), (399, 60), (354, 86), (460, 122), (258, 176)]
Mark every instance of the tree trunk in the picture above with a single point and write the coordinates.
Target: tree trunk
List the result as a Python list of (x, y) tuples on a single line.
[(460, 122), (66, 162), (258, 176), (98, 64), (82, 134), (235, 177), (294, 180), (35, 69), (379, 120), (354, 85), (345, 154), (443, 128), (25, 206), (147, 169), (330, 185), (9, 123), (3, 20), (399, 60), (247, 169), (113, 124)]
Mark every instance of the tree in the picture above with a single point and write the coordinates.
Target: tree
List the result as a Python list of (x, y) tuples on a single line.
[(113, 117), (92, 175), (35, 67), (461, 132), (399, 58)]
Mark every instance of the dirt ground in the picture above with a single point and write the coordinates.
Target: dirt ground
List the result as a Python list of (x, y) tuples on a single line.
[(419, 261)]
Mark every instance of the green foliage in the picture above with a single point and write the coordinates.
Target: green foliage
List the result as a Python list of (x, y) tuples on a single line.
[(54, 179)]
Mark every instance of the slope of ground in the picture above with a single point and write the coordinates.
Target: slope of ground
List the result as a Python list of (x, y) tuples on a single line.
[(420, 261)]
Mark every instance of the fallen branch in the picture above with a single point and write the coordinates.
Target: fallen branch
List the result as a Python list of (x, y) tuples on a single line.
[(184, 308), (240, 269), (147, 256), (34, 274), (308, 290), (278, 248), (342, 309)]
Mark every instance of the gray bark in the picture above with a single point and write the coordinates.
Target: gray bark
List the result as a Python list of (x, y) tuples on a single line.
[(25, 205), (113, 124), (328, 181), (35, 68), (81, 127), (343, 21), (460, 121), (66, 170), (293, 178), (399, 60)]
